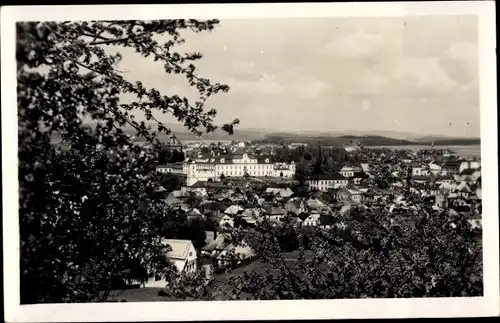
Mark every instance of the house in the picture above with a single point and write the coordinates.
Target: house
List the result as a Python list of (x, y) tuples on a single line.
[(343, 195), (184, 257), (326, 182), (281, 192), (172, 168), (435, 167), (296, 206), (275, 214), (284, 170), (215, 246), (448, 179), (234, 254), (419, 170), (469, 165), (463, 190), (175, 197), (287, 192), (194, 214), (365, 167), (451, 167), (234, 209), (312, 220), (350, 171), (355, 195), (198, 187), (314, 203), (476, 224), (251, 216), (226, 221), (325, 220), (209, 236), (213, 206), (357, 178), (468, 175)]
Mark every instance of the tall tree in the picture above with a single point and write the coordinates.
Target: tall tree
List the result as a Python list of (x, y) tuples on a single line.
[(81, 220)]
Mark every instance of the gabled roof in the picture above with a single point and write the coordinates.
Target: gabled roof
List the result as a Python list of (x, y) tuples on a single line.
[(314, 203), (179, 248), (303, 216), (286, 192), (234, 209), (468, 171), (217, 244), (313, 216), (451, 163), (194, 212), (463, 187), (275, 211)]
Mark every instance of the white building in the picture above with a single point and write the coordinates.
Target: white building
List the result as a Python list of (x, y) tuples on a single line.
[(351, 171), (311, 220), (238, 165), (227, 221), (419, 170), (174, 168), (469, 165), (183, 256), (284, 170), (325, 182), (435, 168)]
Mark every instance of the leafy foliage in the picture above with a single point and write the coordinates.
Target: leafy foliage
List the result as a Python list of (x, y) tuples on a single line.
[(369, 253), (85, 207)]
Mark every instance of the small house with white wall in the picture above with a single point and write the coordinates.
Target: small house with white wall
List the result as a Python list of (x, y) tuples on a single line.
[(184, 257)]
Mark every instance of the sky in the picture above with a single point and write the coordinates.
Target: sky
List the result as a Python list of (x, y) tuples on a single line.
[(402, 74)]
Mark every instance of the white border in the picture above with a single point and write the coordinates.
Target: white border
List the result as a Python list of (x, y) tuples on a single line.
[(325, 309)]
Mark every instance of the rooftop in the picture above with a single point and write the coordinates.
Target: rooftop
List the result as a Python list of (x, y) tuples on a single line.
[(334, 177), (179, 248)]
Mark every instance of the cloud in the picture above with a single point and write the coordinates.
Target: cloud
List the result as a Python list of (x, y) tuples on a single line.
[(374, 66), (421, 76), (354, 46), (310, 89)]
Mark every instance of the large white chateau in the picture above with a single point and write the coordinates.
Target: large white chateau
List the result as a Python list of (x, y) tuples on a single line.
[(210, 168)]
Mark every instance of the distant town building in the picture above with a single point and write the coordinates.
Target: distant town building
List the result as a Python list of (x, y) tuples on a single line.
[(326, 182), (351, 171), (212, 168), (451, 167), (173, 168), (418, 170)]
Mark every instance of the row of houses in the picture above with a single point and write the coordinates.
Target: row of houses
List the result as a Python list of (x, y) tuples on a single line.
[(451, 183)]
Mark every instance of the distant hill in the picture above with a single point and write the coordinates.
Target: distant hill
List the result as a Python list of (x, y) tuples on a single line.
[(366, 138), (347, 140)]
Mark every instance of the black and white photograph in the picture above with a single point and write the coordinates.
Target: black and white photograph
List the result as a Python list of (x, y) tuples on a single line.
[(185, 162)]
